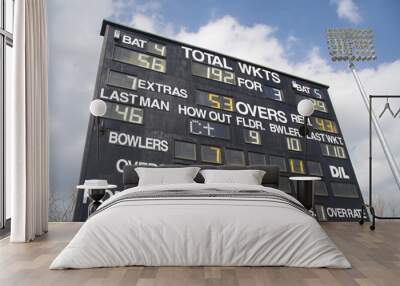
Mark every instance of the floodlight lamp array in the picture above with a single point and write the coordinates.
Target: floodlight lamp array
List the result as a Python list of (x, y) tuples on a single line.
[(351, 44)]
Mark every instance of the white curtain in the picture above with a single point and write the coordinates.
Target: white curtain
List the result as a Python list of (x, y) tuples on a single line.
[(26, 124)]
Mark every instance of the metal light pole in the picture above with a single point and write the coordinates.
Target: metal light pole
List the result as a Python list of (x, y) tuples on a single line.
[(354, 45)]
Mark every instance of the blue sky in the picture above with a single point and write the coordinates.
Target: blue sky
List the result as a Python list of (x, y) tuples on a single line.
[(284, 35), (305, 20)]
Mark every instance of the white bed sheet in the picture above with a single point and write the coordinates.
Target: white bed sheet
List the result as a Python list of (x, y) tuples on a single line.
[(200, 231)]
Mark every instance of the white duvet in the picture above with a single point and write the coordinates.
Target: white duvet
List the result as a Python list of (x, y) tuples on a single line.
[(191, 231)]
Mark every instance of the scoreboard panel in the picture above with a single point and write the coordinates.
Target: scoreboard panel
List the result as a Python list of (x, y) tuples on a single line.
[(174, 103)]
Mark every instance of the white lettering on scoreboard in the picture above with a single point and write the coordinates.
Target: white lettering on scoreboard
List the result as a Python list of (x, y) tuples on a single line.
[(306, 89), (204, 114), (133, 41), (136, 141), (249, 84), (162, 88), (261, 112), (259, 72), (121, 163), (249, 123), (344, 213), (207, 58), (338, 172), (134, 99), (294, 131)]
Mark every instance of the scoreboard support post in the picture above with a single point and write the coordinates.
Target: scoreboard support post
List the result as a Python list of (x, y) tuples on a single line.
[(369, 209), (388, 153)]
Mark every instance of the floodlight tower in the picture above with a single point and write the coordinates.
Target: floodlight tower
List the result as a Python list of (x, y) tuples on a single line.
[(354, 45)]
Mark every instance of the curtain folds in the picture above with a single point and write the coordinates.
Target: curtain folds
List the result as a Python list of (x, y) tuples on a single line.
[(27, 123)]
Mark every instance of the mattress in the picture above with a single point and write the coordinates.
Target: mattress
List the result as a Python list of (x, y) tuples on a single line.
[(201, 225)]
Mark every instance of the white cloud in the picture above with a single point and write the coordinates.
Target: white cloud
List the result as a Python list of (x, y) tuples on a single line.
[(145, 22), (291, 40), (348, 10), (256, 43), (153, 23), (74, 51)]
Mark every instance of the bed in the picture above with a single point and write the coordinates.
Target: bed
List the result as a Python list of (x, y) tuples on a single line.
[(201, 224)]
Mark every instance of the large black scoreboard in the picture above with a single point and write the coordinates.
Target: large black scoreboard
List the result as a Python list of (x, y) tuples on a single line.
[(174, 103)]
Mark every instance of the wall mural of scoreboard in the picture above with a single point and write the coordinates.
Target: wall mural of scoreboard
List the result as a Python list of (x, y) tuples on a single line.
[(172, 103)]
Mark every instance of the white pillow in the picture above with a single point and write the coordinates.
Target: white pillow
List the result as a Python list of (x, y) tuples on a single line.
[(248, 177), (166, 176)]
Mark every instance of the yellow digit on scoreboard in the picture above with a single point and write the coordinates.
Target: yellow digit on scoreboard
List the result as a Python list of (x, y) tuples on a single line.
[(228, 103), (301, 163), (217, 154), (320, 123), (330, 126), (296, 166), (214, 99)]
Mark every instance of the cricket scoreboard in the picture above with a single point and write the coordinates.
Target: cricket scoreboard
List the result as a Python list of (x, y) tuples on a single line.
[(174, 103)]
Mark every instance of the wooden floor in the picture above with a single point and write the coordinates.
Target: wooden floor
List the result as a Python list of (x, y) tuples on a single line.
[(375, 257)]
